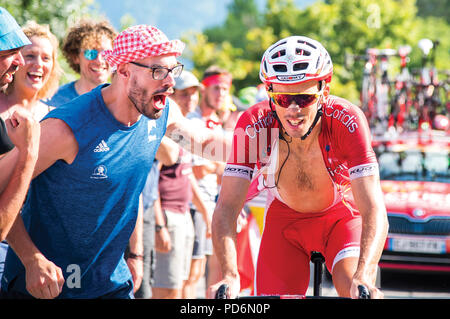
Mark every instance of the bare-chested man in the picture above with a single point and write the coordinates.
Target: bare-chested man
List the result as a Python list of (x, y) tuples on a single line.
[(310, 148)]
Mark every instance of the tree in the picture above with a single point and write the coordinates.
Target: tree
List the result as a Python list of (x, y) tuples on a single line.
[(434, 8), (58, 14), (343, 26)]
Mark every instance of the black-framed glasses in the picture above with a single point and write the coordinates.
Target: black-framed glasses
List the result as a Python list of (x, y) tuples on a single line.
[(160, 72)]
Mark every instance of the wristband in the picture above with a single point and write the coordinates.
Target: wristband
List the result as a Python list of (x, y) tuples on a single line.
[(159, 227), (135, 256)]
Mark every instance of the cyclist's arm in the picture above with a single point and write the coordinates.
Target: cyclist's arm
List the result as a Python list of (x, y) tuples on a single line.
[(369, 201), (231, 200)]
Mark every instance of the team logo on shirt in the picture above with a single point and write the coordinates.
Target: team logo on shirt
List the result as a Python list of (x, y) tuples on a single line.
[(343, 116), (263, 122), (102, 147), (99, 172)]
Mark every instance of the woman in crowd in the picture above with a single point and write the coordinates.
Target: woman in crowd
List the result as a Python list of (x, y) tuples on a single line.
[(38, 78)]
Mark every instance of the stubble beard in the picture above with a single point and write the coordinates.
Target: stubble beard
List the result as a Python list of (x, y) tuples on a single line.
[(142, 103)]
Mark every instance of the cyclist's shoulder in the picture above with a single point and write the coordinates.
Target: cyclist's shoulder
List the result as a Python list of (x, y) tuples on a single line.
[(338, 103), (339, 109), (259, 115), (341, 115)]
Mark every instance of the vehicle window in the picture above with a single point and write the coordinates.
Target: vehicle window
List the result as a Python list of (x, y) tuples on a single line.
[(411, 162), (414, 165), (389, 163), (437, 162)]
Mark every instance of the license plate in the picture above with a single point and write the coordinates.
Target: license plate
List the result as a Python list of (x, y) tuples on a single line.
[(431, 246)]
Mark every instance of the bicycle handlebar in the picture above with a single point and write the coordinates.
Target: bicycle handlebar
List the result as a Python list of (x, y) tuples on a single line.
[(221, 293), (363, 292)]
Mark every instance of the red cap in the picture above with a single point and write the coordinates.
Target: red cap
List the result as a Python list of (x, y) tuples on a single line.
[(139, 42)]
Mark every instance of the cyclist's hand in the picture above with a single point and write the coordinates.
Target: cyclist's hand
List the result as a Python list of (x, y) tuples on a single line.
[(374, 292), (234, 286)]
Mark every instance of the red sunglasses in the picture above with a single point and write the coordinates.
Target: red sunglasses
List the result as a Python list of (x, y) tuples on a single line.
[(300, 99)]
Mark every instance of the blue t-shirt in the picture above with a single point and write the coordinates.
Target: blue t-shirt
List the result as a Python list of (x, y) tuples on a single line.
[(81, 216), (65, 94)]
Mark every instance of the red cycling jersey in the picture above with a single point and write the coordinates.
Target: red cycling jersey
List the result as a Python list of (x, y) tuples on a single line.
[(289, 237), (345, 142)]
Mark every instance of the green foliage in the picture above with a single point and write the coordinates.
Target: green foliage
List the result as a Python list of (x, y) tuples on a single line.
[(58, 14), (435, 8), (342, 26)]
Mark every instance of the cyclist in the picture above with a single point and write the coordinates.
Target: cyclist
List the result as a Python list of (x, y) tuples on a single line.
[(310, 148)]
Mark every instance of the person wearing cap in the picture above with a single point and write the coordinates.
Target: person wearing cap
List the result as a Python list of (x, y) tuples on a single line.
[(186, 95), (19, 129), (94, 158), (215, 91), (12, 39), (82, 47), (187, 92)]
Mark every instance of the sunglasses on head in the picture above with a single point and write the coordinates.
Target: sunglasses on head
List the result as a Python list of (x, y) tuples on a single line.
[(300, 99), (91, 54)]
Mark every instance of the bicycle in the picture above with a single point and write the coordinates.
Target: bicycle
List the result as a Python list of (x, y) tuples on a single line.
[(427, 102), (401, 117), (318, 260), (375, 86)]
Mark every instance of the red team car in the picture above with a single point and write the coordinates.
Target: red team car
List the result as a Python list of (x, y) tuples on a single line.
[(415, 178)]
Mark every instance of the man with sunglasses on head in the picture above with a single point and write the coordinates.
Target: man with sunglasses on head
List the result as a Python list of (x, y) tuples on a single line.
[(308, 149), (94, 158), (82, 47)]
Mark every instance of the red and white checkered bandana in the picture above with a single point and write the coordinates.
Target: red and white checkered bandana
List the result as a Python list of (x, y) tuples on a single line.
[(139, 42)]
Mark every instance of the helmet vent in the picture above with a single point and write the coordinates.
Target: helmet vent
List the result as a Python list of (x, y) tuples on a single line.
[(299, 51), (307, 43), (300, 66), (279, 54), (318, 61), (280, 68)]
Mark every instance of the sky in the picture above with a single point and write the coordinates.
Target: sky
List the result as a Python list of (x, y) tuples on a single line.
[(173, 17)]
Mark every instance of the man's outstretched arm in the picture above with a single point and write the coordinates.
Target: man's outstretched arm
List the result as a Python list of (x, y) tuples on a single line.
[(200, 141)]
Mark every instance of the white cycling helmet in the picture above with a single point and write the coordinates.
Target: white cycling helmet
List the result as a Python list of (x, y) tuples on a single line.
[(295, 59)]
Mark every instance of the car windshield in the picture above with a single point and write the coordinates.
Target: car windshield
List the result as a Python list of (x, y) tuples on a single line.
[(414, 165)]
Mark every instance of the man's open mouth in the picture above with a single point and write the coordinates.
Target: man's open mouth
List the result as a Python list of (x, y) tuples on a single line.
[(159, 101), (295, 122)]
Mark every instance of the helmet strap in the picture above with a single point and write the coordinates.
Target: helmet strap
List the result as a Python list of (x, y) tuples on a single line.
[(316, 119)]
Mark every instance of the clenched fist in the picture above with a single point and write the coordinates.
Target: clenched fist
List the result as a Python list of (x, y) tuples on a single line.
[(24, 131)]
